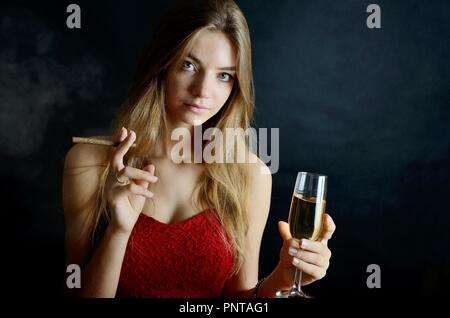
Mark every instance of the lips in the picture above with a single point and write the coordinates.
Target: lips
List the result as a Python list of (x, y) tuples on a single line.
[(195, 108)]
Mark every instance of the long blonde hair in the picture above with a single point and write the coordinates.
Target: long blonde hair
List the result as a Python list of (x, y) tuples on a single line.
[(223, 186)]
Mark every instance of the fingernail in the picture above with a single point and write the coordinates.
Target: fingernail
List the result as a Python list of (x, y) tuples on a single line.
[(295, 261), (293, 251), (303, 243)]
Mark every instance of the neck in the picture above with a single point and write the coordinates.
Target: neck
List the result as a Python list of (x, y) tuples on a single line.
[(165, 148)]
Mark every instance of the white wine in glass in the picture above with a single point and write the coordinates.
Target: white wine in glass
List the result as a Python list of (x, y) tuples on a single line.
[(305, 218)]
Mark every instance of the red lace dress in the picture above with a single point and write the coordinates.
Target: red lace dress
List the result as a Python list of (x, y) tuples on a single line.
[(185, 259)]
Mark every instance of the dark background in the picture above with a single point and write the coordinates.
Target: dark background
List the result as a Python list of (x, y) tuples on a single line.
[(367, 107)]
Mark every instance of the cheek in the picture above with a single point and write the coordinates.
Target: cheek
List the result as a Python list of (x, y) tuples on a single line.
[(181, 83), (175, 88), (223, 95)]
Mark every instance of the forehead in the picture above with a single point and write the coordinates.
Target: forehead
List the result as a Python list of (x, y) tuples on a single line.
[(213, 49)]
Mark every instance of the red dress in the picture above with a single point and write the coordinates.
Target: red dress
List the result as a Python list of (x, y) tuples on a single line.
[(184, 259)]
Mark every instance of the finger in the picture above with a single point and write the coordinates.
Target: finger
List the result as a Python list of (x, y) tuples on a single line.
[(316, 272), (149, 170), (309, 257), (285, 233), (135, 189), (122, 149), (136, 174), (125, 144), (313, 246), (121, 180), (328, 229), (121, 135)]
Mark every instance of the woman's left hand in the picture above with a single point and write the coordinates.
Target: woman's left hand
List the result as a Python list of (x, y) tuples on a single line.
[(311, 257)]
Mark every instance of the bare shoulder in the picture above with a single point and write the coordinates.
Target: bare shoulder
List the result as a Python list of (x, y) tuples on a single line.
[(259, 173), (260, 189), (83, 166), (86, 155)]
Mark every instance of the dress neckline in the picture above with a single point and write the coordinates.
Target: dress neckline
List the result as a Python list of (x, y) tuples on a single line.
[(152, 219)]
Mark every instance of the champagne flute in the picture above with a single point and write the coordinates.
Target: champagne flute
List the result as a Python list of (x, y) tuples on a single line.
[(305, 218)]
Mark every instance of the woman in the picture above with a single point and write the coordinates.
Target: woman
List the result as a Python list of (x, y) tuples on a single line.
[(139, 223)]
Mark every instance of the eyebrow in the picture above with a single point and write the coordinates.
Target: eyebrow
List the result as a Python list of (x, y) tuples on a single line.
[(227, 68)]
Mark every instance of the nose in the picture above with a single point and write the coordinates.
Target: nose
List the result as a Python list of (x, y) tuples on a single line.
[(200, 86)]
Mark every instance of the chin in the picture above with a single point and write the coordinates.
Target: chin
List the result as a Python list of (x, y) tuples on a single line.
[(193, 120)]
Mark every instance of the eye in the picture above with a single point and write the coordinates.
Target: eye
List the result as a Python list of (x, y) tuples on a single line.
[(188, 66), (225, 77)]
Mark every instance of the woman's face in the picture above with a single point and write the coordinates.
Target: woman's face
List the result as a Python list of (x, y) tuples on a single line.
[(198, 88)]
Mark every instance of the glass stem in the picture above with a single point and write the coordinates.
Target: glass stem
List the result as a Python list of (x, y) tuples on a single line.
[(298, 280)]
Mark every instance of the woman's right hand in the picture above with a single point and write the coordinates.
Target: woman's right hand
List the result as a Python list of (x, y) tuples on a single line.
[(126, 187)]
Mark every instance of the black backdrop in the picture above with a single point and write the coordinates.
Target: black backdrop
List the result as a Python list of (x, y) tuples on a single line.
[(368, 107)]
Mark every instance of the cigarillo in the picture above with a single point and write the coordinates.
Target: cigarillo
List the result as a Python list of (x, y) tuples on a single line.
[(93, 141)]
